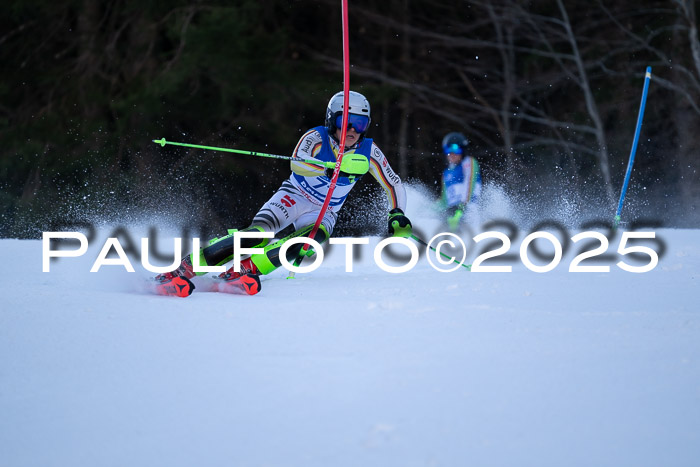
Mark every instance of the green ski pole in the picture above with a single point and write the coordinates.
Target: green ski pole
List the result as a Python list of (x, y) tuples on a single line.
[(452, 259), (328, 165)]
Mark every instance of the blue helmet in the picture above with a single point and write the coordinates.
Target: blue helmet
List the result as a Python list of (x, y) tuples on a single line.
[(454, 142)]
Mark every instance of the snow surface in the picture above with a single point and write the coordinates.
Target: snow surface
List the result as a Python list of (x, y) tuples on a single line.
[(353, 369)]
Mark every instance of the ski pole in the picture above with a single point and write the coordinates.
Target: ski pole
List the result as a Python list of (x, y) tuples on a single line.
[(451, 258), (628, 175), (328, 165)]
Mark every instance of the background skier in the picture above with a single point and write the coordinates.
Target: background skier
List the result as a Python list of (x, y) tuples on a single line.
[(461, 182)]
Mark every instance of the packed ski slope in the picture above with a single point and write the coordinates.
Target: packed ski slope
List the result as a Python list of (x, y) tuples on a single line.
[(344, 369)]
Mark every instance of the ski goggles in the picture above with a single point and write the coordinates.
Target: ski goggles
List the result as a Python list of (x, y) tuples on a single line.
[(358, 122), (452, 149)]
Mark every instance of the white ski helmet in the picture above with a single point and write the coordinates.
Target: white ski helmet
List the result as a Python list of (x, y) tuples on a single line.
[(358, 105)]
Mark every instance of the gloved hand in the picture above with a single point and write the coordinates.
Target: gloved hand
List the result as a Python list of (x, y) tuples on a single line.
[(399, 225), (329, 173), (352, 166), (454, 219)]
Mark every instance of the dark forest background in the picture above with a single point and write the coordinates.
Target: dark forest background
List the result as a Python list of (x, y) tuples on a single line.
[(547, 92)]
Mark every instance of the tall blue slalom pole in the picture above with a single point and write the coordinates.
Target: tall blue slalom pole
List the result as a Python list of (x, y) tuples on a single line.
[(640, 117)]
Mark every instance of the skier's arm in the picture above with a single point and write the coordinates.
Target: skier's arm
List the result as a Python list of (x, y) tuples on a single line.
[(471, 173), (308, 147), (399, 225), (388, 179), (470, 169)]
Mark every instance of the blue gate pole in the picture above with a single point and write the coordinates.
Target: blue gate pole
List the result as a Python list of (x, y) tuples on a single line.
[(640, 117)]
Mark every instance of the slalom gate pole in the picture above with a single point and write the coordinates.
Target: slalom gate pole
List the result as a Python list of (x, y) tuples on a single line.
[(452, 259), (341, 150), (628, 175), (327, 165)]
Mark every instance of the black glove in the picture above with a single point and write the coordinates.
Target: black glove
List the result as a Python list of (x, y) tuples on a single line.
[(329, 173), (399, 225)]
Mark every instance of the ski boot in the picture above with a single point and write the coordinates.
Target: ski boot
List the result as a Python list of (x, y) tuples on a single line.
[(247, 267), (246, 281), (176, 282)]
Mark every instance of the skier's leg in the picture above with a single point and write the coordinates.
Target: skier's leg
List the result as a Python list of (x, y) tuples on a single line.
[(276, 214), (265, 263), (283, 208), (217, 252)]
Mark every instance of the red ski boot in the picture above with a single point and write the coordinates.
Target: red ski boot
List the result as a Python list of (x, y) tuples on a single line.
[(176, 282), (245, 282), (184, 270), (247, 267), (179, 286)]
